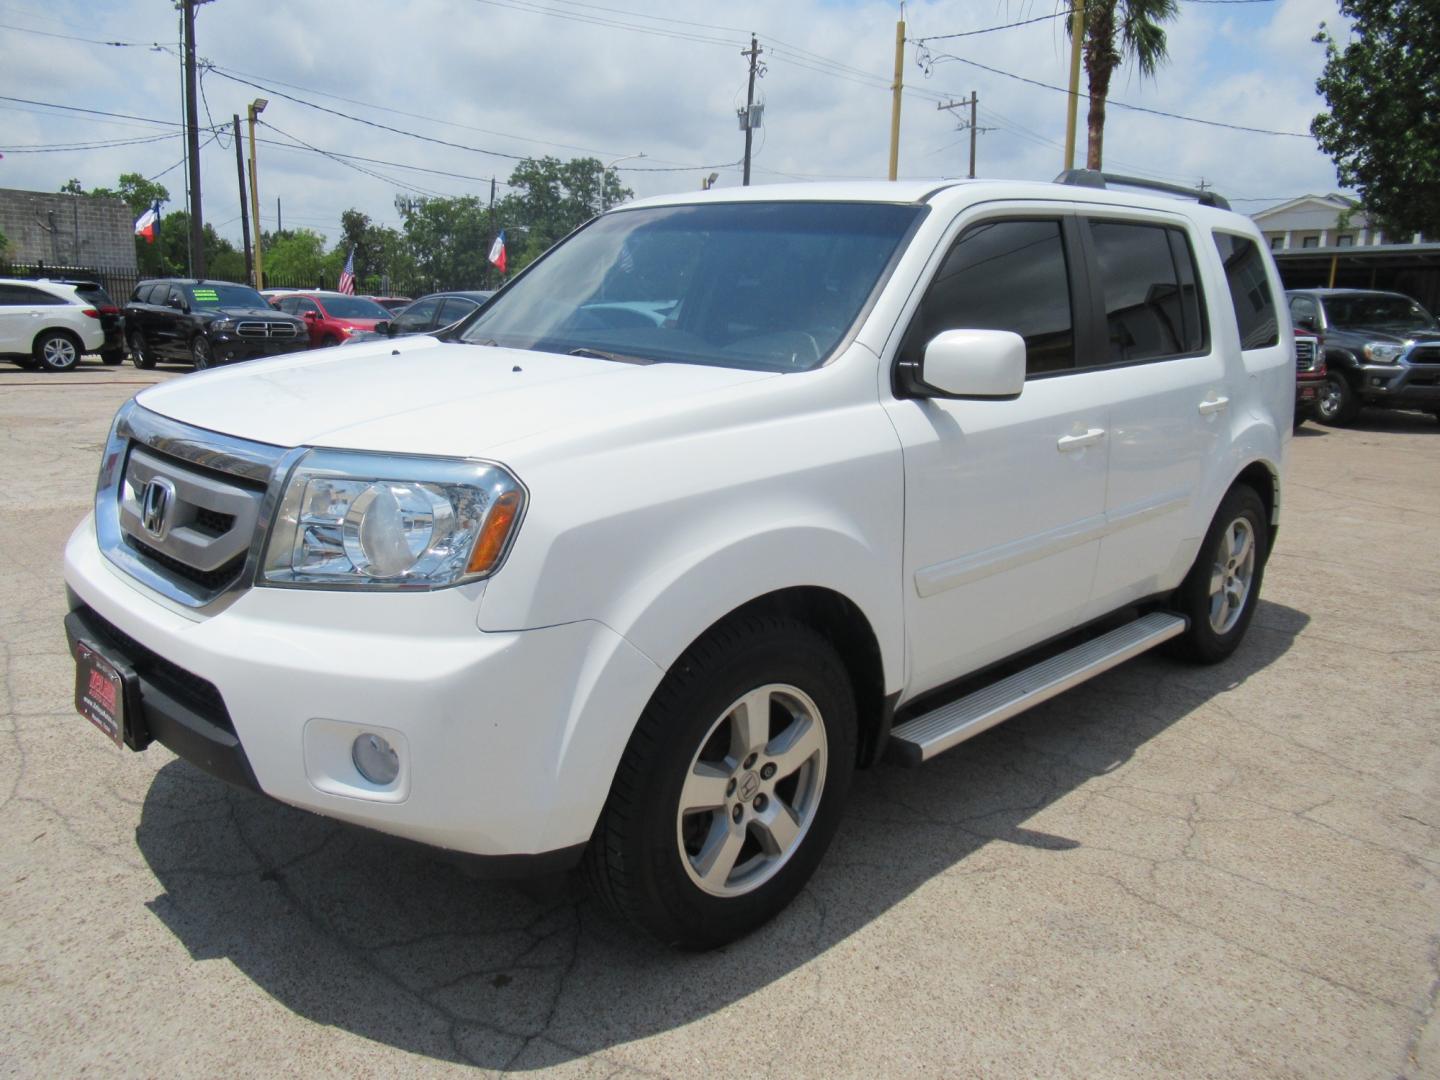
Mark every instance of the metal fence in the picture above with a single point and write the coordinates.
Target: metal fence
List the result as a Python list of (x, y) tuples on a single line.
[(118, 283)]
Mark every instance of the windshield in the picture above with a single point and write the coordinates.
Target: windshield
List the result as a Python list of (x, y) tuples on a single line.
[(765, 285), (1388, 312), (215, 294), (353, 307)]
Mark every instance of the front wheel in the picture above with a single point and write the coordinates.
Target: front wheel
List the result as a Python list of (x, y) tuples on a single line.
[(1338, 404), (1220, 592), (201, 353), (731, 787)]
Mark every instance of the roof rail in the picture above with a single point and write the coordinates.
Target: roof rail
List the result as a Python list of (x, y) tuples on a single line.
[(1093, 178)]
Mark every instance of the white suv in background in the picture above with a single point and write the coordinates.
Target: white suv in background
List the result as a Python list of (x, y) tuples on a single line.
[(721, 499), (47, 324)]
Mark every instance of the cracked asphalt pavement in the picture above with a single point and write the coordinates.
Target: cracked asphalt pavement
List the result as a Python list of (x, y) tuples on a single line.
[(1226, 871)]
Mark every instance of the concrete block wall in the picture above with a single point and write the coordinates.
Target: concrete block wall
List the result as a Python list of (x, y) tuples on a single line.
[(67, 230)]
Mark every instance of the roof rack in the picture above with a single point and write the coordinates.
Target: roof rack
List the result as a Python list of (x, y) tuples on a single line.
[(1093, 178)]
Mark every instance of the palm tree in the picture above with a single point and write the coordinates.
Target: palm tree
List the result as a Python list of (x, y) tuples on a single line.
[(1116, 30)]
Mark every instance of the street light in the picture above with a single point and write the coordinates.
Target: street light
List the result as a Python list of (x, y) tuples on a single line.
[(604, 199), (254, 109)]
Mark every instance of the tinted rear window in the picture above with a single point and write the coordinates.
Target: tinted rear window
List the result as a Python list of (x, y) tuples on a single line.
[(1249, 290), (1148, 282)]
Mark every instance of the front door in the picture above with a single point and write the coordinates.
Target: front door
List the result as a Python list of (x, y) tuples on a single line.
[(1004, 500)]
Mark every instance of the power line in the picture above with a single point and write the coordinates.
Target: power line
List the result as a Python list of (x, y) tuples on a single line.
[(102, 144), (415, 188), (92, 112), (930, 60), (90, 41), (1003, 26)]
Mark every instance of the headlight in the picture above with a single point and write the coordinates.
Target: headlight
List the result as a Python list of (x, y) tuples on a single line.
[(1381, 352), (379, 521), (224, 326)]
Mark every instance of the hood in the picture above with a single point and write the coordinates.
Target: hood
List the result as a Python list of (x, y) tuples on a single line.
[(245, 313), (422, 396), (1396, 337)]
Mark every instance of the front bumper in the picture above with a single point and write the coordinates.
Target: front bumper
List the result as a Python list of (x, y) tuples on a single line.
[(1307, 395), (507, 741), (230, 347), (1399, 384)]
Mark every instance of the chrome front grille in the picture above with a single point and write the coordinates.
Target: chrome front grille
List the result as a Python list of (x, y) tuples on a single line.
[(264, 329), (1305, 353), (184, 510)]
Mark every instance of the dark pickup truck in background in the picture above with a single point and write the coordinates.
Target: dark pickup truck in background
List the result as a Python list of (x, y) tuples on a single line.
[(1379, 348)]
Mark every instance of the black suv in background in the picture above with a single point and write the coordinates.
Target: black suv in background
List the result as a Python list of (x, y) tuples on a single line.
[(1380, 348), (205, 323)]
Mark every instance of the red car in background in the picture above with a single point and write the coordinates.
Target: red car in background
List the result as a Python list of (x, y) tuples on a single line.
[(331, 316), (1310, 376)]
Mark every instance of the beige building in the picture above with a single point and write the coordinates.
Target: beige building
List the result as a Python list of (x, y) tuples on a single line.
[(1314, 221)]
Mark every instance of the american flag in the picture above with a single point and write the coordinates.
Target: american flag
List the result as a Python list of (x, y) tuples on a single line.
[(347, 276)]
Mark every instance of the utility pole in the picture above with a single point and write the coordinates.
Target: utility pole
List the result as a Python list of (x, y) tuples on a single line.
[(254, 109), (749, 120), (279, 217), (192, 143), (896, 88), (973, 100), (1077, 41), (244, 209)]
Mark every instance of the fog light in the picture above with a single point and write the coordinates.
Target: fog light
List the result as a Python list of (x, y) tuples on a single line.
[(376, 759)]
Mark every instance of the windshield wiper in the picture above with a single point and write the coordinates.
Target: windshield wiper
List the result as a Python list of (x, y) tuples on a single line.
[(619, 358)]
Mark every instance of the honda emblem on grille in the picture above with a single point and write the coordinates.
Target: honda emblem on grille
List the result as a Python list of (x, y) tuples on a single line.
[(156, 502)]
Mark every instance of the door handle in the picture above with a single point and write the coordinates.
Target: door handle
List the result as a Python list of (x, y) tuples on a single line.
[(1066, 443), (1213, 405)]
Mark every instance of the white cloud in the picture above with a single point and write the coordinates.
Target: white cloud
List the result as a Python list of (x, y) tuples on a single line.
[(515, 73)]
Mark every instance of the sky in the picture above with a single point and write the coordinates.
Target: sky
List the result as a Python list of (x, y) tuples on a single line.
[(614, 79)]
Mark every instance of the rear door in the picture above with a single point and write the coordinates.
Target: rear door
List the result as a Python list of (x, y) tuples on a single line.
[(1004, 500), (1167, 381), (168, 335)]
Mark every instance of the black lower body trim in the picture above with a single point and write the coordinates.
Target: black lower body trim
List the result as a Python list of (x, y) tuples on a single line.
[(158, 714)]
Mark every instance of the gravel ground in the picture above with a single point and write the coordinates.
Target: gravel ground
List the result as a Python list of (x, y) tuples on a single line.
[(1226, 871)]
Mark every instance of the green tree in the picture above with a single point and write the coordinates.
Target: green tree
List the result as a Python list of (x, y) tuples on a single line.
[(552, 198), (140, 194), (1383, 127), (380, 253), (1116, 30), (296, 257), (448, 238), (170, 255), (72, 187)]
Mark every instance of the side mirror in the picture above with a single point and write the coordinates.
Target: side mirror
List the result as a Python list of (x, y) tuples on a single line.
[(383, 327), (971, 364), (392, 328), (1306, 322), (312, 316), (177, 303)]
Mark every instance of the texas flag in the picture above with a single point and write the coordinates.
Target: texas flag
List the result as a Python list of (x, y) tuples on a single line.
[(497, 251), (145, 223)]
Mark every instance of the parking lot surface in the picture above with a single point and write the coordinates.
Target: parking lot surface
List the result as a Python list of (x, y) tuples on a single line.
[(1227, 871)]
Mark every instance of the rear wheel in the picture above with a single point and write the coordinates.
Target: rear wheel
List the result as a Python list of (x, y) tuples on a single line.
[(1338, 404), (731, 787), (56, 350), (139, 355), (1220, 592)]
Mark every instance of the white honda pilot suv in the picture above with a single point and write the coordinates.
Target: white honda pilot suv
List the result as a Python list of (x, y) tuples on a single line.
[(717, 502)]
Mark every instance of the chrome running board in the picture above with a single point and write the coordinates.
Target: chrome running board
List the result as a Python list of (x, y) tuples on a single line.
[(934, 732)]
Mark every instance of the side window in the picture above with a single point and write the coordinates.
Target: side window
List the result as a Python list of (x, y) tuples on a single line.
[(453, 310), (1249, 290), (1004, 275), (286, 304), (304, 305), (1304, 313), (418, 315), (173, 294), (151, 294), (25, 296), (1148, 283), (13, 296)]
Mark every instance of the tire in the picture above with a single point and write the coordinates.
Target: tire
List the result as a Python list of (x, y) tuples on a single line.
[(664, 869), (201, 353), (1295, 424), (1221, 576), (112, 357), (329, 342), (57, 350), (1338, 404), (139, 356)]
